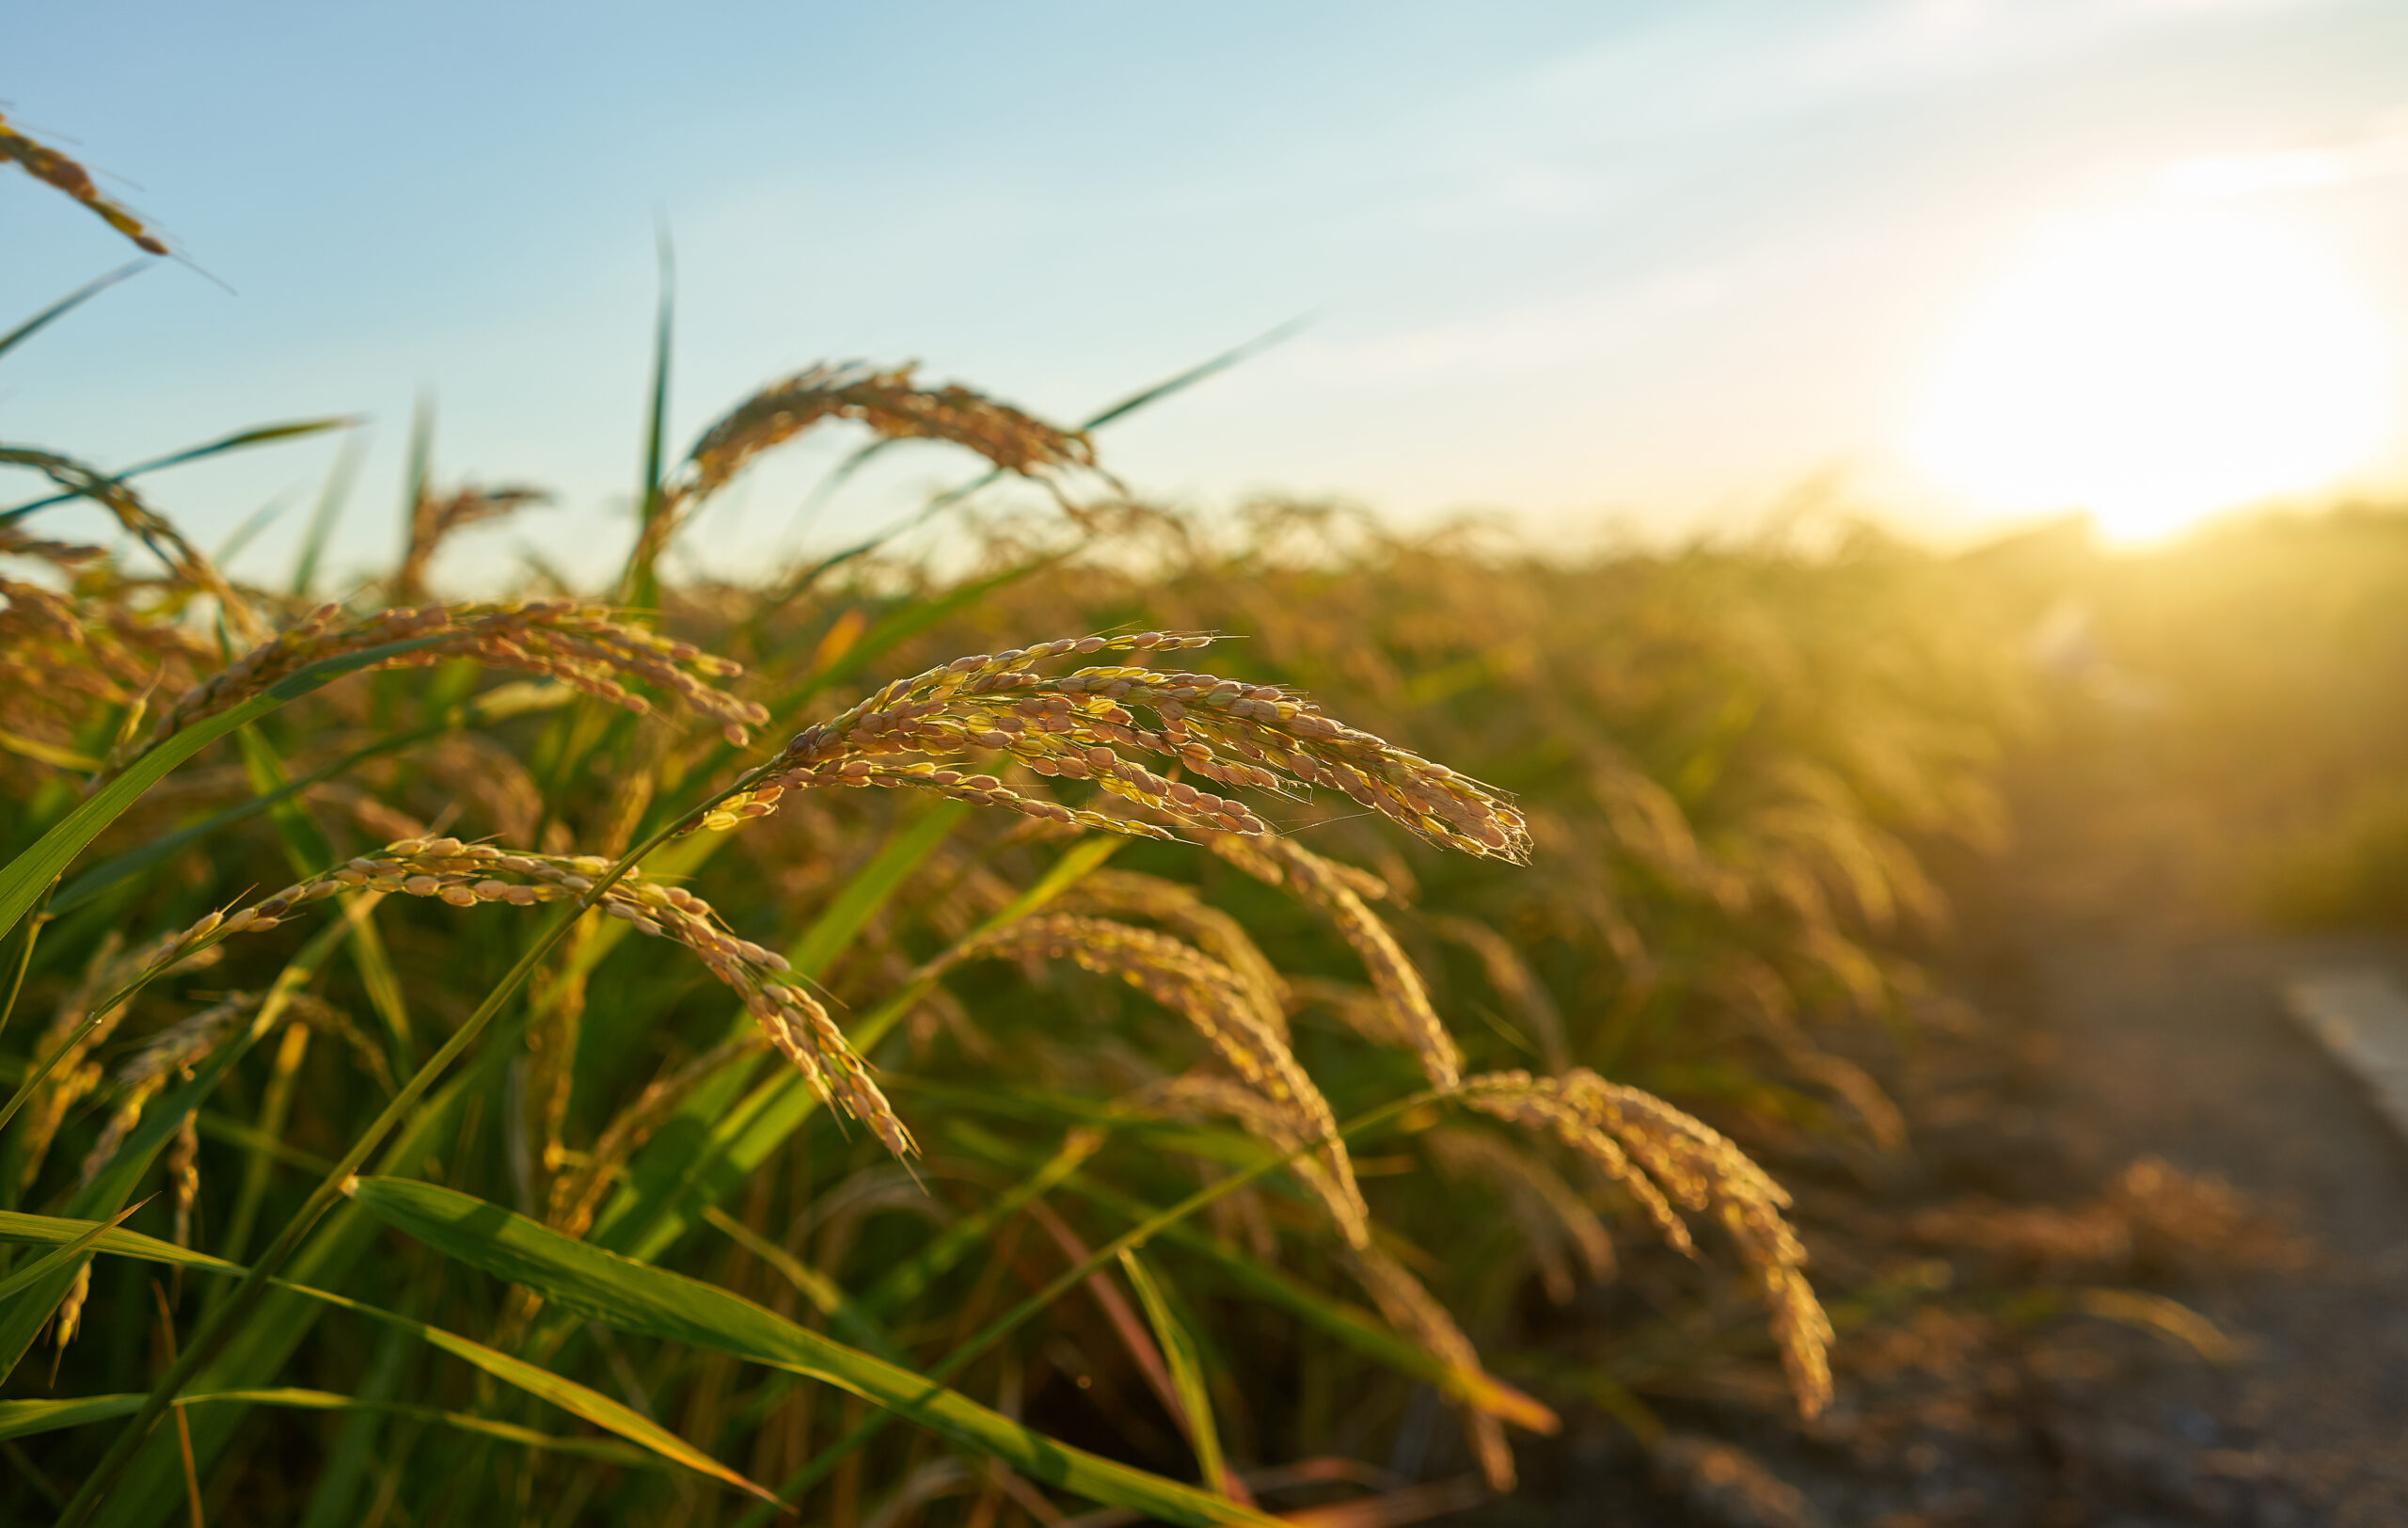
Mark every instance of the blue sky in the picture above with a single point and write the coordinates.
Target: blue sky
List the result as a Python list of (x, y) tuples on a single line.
[(1647, 265)]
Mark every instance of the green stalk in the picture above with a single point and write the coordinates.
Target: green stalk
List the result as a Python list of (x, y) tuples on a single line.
[(218, 1325), (995, 1330), (26, 955)]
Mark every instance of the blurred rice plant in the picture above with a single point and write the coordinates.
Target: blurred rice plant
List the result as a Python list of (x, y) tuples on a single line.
[(1210, 1083)]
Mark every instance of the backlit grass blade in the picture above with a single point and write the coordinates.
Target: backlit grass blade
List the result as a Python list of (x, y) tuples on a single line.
[(1187, 1369), (638, 1298), (337, 492), (570, 1396), (63, 1256), (639, 584), (19, 1229), (66, 304), (22, 882), (1146, 397), (19, 1419), (265, 434), (567, 1395)]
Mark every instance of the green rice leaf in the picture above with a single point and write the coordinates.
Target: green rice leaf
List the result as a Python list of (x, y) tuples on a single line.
[(19, 1419), (265, 434), (637, 1297), (1186, 1367), (570, 1396), (567, 1395), (66, 304), (64, 1255), (21, 1230)]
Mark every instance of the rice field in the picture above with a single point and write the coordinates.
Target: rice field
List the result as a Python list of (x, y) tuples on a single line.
[(1136, 1019)]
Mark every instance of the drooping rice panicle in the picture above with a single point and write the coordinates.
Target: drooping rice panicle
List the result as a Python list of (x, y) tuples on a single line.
[(890, 402), (1662, 1155), (185, 560), (1079, 727), (78, 1028), (578, 642), (1199, 1095), (465, 875), (52, 168), (1181, 912), (436, 517), (1206, 994), (1319, 881), (149, 1070)]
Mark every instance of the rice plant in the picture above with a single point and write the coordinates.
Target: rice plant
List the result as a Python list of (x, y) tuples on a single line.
[(1082, 1074)]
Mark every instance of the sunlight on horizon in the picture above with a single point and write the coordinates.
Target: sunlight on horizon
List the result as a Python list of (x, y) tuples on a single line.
[(2154, 368)]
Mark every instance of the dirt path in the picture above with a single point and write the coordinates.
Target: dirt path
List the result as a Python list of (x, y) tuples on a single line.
[(2078, 1152), (2152, 1024)]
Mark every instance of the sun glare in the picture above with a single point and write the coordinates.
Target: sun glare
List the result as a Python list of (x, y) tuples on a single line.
[(2155, 367)]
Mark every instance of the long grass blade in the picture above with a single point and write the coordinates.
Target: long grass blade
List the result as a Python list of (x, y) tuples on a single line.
[(265, 434), (331, 498), (69, 303), (1187, 1369), (637, 1297), (640, 585), (19, 1419), (567, 1395)]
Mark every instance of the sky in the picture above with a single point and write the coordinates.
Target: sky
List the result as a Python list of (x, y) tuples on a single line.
[(1660, 268)]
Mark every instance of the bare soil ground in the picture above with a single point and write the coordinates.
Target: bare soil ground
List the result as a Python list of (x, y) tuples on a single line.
[(2132, 1134)]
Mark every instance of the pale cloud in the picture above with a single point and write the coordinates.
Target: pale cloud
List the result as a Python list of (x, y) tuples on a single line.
[(2380, 154)]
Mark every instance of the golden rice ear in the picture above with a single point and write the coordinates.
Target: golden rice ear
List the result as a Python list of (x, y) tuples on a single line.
[(1322, 883), (1081, 726), (1661, 1156), (1181, 912), (1329, 1174), (889, 402), (1208, 995), (580, 644), (150, 1069), (154, 531), (48, 166), (432, 518), (84, 1020)]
